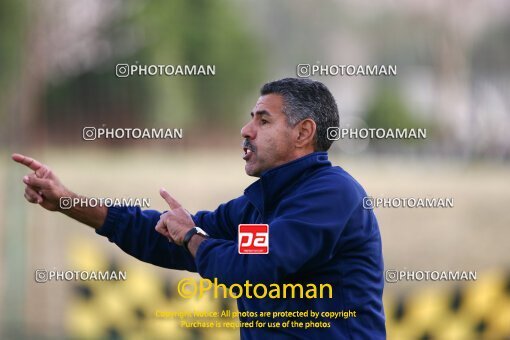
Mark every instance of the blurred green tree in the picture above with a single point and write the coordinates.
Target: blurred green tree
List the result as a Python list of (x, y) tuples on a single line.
[(162, 33), (12, 18), (201, 32), (388, 110)]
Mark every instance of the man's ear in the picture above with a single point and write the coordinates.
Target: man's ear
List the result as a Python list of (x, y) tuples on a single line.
[(306, 133)]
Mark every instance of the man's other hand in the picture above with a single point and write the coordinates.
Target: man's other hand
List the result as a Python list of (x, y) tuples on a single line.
[(42, 186), (176, 222)]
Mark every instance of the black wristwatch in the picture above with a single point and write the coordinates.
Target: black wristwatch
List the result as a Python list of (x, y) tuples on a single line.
[(189, 235)]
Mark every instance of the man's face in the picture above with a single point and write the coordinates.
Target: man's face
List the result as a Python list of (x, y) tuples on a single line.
[(268, 139)]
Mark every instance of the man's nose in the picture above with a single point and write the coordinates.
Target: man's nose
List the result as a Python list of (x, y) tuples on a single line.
[(248, 131)]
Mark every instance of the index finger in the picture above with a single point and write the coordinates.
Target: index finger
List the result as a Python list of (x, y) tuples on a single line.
[(172, 202), (27, 161)]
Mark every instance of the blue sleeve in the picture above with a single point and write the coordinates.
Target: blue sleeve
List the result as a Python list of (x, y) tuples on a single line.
[(305, 232), (222, 223), (132, 229)]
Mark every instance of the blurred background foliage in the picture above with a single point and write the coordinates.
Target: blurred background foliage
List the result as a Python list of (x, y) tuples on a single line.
[(58, 63), (76, 89)]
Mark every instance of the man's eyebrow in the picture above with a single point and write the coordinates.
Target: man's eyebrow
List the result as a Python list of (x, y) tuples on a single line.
[(260, 113)]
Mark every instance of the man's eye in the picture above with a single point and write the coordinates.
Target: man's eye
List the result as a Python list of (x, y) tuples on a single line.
[(263, 121)]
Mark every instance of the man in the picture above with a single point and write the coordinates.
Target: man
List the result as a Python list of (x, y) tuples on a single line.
[(319, 232)]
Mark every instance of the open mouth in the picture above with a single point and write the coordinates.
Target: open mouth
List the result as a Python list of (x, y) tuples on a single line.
[(247, 153), (248, 149)]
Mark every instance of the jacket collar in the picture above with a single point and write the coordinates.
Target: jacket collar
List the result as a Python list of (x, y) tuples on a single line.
[(269, 188)]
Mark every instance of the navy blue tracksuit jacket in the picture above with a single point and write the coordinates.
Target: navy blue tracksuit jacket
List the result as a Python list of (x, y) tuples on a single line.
[(319, 232)]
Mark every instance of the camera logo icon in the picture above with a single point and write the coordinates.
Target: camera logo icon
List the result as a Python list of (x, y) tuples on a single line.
[(122, 70), (65, 203), (303, 70), (41, 276), (333, 133), (368, 203), (89, 133), (391, 276)]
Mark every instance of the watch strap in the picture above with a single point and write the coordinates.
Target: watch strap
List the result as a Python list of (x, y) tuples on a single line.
[(189, 235)]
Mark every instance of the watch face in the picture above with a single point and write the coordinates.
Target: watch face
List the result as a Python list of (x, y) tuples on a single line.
[(201, 231)]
